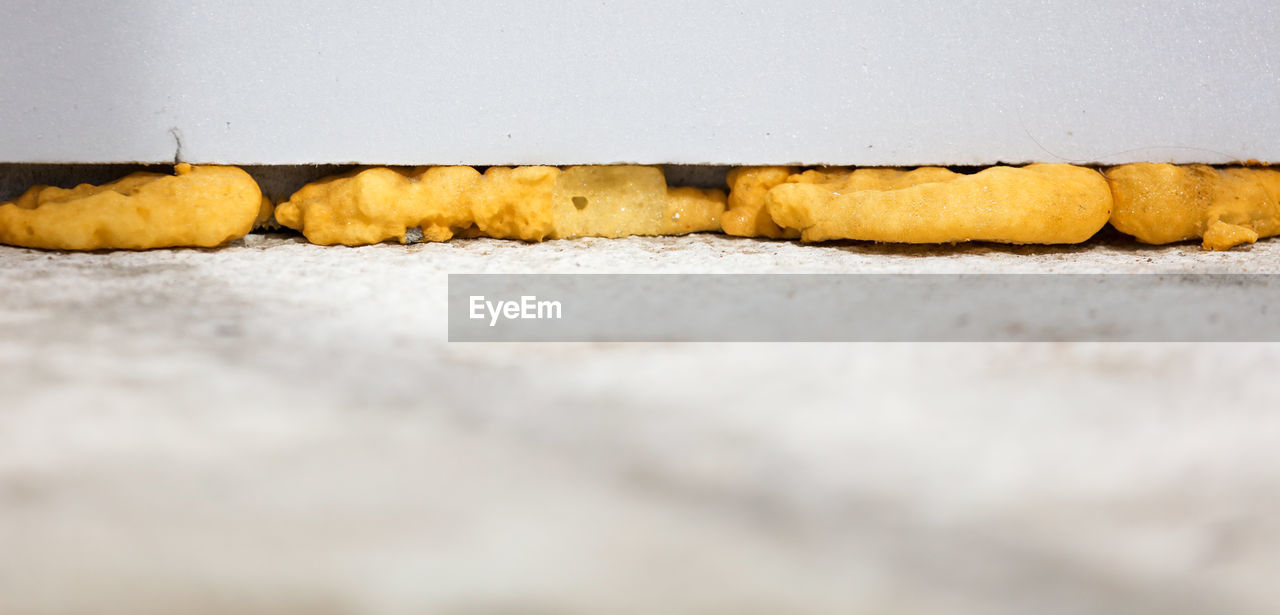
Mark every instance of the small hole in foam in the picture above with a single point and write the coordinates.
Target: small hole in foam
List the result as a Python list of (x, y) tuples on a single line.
[(580, 202)]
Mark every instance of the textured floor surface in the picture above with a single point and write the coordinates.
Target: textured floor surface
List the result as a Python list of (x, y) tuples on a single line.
[(276, 427)]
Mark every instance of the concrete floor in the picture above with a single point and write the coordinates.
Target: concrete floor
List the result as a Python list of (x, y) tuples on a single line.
[(276, 427)]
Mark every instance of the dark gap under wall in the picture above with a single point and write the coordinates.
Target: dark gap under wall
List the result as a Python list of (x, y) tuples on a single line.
[(281, 181)]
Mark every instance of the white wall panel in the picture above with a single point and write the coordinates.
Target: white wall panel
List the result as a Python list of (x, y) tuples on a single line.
[(576, 81)]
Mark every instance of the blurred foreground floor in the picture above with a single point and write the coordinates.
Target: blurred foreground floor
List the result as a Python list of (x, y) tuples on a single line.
[(277, 427)]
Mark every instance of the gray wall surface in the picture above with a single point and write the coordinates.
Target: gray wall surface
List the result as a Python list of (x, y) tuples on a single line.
[(453, 81)]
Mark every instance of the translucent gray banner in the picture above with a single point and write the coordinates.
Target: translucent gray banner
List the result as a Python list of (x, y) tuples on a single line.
[(863, 307)]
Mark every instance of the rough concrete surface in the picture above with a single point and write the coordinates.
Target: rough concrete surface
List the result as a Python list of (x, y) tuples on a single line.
[(276, 427)]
